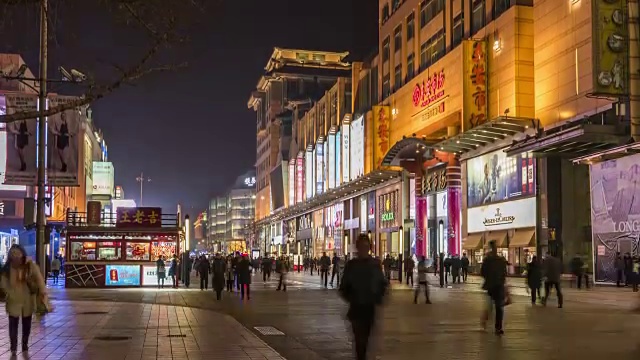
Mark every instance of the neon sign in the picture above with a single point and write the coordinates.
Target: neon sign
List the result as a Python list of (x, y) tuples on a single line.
[(429, 91)]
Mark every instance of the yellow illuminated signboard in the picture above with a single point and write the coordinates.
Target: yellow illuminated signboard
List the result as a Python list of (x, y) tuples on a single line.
[(610, 47)]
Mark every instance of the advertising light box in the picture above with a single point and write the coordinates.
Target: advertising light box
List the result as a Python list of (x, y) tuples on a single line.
[(122, 275), (150, 275)]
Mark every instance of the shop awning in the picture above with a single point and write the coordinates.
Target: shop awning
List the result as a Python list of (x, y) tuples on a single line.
[(408, 148), (609, 154), (488, 133), (473, 241), (353, 188), (522, 238), (500, 237), (573, 139)]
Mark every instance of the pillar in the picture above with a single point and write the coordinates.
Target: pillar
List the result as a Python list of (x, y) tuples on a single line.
[(454, 204), (416, 168)]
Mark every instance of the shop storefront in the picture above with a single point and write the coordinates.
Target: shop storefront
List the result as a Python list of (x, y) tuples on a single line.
[(319, 232), (353, 225), (305, 234), (501, 207), (389, 215), (120, 256), (435, 192)]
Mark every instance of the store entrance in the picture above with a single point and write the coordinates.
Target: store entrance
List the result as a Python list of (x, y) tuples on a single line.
[(389, 244)]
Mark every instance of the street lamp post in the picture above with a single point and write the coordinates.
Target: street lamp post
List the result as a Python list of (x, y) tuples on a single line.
[(141, 179)]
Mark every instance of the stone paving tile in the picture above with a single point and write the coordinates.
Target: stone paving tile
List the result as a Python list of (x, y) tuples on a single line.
[(77, 330)]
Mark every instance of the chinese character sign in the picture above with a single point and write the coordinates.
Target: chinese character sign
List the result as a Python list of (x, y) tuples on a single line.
[(611, 47), (429, 91), (139, 217), (475, 83), (382, 133)]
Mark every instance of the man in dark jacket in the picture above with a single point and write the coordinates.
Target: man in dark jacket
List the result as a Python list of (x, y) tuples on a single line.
[(494, 272), (552, 270), (409, 265), (578, 271), (363, 287), (325, 264), (618, 264), (267, 264), (465, 266), (203, 271), (628, 268), (218, 270), (456, 267), (334, 268)]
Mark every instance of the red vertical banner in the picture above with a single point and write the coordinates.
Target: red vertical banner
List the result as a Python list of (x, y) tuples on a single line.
[(422, 246), (454, 201), (530, 176)]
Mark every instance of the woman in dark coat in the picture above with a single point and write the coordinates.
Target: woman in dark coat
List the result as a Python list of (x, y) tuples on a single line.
[(218, 270), (243, 271), (534, 279)]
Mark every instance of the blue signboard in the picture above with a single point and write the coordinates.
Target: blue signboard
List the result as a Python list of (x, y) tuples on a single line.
[(122, 275)]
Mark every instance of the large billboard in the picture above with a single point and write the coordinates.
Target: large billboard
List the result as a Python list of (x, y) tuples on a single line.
[(63, 140), (103, 178), (610, 47), (346, 143), (615, 213), (381, 133), (319, 168), (332, 160), (356, 168), (19, 143), (474, 81), (504, 216), (494, 177)]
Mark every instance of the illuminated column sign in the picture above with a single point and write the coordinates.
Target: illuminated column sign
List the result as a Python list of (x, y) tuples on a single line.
[(345, 153), (299, 179), (332, 161), (308, 175), (325, 168), (319, 168), (338, 146), (292, 182)]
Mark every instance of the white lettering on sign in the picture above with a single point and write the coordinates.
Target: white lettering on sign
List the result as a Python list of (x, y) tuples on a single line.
[(499, 219), (1, 208), (250, 181), (627, 226)]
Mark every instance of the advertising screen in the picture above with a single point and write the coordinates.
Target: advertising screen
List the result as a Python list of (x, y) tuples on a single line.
[(299, 179), (345, 153), (319, 168), (150, 274), (308, 175), (122, 275), (103, 178), (357, 148), (494, 177), (332, 161)]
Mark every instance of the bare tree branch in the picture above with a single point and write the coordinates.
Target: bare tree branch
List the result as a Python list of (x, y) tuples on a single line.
[(158, 19)]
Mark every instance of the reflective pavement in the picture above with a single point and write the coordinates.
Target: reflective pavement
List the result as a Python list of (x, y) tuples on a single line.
[(114, 331), (312, 320)]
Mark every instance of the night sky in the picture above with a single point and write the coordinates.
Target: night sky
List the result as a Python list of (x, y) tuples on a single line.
[(190, 130)]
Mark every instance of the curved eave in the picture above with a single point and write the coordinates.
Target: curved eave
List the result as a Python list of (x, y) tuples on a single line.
[(408, 149)]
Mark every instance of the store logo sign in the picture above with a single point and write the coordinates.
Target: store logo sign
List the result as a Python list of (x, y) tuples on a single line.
[(499, 219), (250, 181), (1, 208), (389, 216)]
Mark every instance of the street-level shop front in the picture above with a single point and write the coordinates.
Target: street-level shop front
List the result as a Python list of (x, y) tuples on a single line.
[(389, 215), (121, 256), (501, 207), (305, 234)]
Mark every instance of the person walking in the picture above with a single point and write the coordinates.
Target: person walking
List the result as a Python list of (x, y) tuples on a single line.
[(24, 287), (55, 269), (325, 263), (386, 264), (409, 266), (204, 268), (534, 279), (282, 268), (160, 271), (267, 264), (363, 288), (456, 268), (334, 267), (578, 271), (173, 272), (423, 269), (465, 266), (230, 274), (243, 271), (552, 270), (218, 269), (494, 272)]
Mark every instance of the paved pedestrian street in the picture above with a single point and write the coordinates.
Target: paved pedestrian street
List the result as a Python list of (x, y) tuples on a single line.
[(113, 331), (592, 325)]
